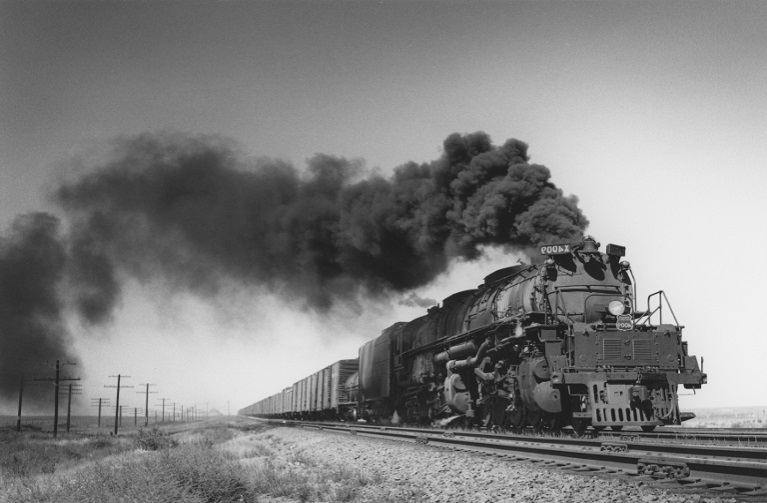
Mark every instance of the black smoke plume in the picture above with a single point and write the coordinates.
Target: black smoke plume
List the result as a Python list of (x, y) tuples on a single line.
[(33, 262), (196, 213)]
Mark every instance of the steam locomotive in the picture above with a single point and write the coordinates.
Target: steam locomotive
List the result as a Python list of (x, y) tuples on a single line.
[(539, 346)]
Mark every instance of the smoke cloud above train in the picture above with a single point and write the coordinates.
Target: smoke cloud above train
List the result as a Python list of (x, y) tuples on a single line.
[(198, 213), (33, 260)]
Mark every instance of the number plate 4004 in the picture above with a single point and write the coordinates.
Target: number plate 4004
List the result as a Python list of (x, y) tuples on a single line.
[(624, 322)]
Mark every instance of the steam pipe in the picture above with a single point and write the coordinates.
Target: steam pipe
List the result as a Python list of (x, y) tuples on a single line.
[(471, 361), (453, 352)]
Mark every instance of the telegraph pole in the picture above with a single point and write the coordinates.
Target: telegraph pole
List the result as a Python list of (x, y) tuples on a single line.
[(118, 410), (146, 406), (135, 416), (163, 409), (21, 394), (76, 391), (104, 401), (56, 382)]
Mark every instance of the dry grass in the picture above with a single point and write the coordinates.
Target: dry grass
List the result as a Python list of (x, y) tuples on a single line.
[(215, 462), (32, 454)]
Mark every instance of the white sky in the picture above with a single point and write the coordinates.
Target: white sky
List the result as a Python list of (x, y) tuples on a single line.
[(653, 113)]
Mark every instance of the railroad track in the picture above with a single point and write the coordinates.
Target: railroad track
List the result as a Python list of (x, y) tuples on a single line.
[(700, 435), (731, 470)]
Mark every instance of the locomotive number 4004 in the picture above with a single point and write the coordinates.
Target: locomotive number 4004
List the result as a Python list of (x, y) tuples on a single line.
[(555, 249)]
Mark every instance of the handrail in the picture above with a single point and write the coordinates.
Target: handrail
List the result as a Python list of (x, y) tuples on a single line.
[(661, 297), (634, 290), (647, 313), (555, 312)]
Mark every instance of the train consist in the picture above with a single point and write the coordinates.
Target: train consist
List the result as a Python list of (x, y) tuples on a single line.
[(546, 345)]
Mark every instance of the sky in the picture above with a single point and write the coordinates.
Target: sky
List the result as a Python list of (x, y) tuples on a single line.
[(653, 114)]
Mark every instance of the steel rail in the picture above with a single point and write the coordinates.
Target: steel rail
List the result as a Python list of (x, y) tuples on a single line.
[(735, 471), (739, 439), (734, 448), (700, 434), (735, 438)]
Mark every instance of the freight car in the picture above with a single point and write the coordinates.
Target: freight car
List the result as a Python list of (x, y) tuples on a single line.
[(561, 342), (327, 394)]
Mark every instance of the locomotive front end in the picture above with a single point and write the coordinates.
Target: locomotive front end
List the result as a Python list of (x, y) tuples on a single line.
[(622, 368), (628, 377)]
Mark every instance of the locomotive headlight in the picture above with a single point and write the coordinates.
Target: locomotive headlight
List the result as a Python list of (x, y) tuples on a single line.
[(616, 308)]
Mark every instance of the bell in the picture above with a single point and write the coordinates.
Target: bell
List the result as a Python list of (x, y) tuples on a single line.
[(589, 245)]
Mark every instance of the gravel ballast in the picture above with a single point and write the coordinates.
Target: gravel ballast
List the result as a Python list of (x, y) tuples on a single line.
[(423, 473)]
